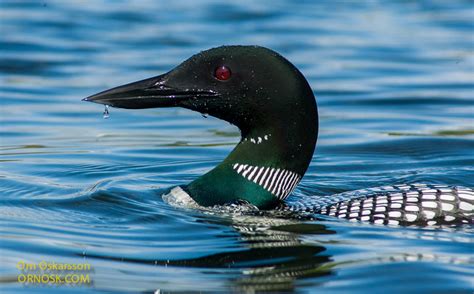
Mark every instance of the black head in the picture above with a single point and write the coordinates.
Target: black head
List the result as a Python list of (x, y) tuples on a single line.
[(244, 85)]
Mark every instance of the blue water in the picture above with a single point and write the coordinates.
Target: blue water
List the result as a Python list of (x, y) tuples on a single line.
[(394, 85)]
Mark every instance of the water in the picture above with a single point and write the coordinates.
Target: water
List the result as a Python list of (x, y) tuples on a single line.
[(106, 113), (394, 85)]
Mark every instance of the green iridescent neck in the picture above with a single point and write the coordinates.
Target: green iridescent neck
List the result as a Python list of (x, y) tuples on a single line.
[(265, 165)]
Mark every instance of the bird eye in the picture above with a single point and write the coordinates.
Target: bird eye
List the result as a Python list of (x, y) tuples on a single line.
[(222, 73)]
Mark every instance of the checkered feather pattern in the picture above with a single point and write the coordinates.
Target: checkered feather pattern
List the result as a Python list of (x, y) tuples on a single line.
[(416, 204)]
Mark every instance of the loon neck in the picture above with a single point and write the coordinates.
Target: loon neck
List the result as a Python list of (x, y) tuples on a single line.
[(265, 165), (285, 148)]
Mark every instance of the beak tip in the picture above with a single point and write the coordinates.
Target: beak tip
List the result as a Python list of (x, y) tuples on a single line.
[(93, 99)]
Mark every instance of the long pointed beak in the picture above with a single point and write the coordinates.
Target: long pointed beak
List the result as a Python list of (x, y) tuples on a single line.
[(148, 93)]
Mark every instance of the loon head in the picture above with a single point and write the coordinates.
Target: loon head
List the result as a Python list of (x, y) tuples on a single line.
[(257, 90)]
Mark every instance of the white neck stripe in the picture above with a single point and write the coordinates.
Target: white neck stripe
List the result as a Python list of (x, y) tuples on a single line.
[(279, 182)]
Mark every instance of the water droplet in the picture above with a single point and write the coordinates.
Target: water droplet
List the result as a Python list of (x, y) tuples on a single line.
[(204, 115), (106, 112)]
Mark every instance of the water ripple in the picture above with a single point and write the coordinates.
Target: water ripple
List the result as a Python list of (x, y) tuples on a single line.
[(393, 81)]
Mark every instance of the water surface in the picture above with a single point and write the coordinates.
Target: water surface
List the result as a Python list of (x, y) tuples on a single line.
[(394, 86)]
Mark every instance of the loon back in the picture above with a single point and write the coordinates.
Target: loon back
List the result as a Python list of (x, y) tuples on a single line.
[(414, 204), (260, 92)]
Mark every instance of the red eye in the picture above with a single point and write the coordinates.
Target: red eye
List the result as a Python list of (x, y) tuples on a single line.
[(222, 73)]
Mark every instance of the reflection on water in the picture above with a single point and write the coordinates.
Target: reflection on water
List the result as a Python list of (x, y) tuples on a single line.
[(393, 81), (128, 237), (271, 255)]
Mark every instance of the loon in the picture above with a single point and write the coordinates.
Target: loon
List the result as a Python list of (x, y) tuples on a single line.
[(273, 105)]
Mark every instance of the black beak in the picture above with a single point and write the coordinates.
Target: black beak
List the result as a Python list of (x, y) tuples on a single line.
[(148, 93)]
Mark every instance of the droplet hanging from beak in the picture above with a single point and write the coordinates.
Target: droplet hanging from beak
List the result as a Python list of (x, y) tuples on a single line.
[(106, 113)]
